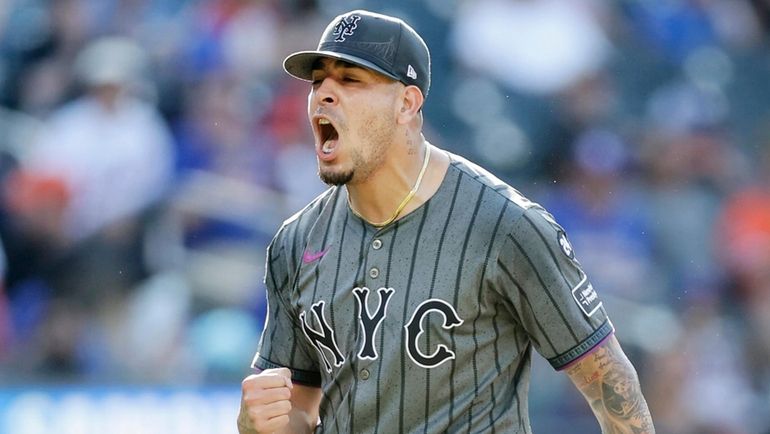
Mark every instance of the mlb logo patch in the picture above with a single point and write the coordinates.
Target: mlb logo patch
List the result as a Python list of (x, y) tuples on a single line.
[(586, 297)]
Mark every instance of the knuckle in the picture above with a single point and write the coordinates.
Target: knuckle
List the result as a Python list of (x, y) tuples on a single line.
[(246, 381), (249, 381)]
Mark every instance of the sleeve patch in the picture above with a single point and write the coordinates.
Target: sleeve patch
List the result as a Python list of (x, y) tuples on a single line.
[(586, 297)]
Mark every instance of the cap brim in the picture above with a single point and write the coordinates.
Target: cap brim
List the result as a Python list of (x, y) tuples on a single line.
[(300, 64)]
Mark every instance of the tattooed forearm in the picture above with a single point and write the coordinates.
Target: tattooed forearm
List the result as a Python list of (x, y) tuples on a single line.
[(610, 384)]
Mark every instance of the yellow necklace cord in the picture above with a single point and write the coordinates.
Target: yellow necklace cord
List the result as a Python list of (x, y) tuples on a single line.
[(406, 199)]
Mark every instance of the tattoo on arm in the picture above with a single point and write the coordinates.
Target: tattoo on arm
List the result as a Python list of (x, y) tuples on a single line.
[(610, 384)]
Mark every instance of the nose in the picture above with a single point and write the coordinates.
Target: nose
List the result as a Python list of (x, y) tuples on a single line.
[(325, 92)]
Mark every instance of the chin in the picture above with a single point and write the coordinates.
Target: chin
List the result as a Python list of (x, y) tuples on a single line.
[(335, 178)]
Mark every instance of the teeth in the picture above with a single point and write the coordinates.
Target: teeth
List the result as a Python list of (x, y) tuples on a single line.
[(325, 149), (323, 122)]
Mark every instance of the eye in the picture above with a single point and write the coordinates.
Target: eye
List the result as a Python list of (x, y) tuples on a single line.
[(350, 79), (317, 78)]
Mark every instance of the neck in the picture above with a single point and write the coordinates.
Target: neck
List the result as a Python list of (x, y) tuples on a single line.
[(378, 199)]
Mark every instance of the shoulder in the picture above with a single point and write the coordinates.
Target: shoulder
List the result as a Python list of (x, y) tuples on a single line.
[(525, 221), (496, 190), (299, 225)]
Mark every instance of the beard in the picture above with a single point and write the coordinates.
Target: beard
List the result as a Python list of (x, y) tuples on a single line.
[(336, 178), (380, 136), (344, 176)]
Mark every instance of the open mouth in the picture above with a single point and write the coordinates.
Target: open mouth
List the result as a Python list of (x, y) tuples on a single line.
[(328, 135)]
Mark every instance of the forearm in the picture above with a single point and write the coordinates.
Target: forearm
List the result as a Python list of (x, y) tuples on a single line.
[(611, 386), (622, 414)]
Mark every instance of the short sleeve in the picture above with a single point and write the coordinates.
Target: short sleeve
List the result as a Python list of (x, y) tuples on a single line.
[(282, 343), (548, 292)]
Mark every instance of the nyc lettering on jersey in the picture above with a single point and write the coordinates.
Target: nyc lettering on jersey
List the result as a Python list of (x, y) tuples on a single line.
[(323, 338)]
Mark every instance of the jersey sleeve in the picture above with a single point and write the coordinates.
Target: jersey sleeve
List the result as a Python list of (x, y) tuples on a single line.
[(548, 292), (282, 343)]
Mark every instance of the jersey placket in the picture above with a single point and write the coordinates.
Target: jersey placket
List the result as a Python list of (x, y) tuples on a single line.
[(372, 299)]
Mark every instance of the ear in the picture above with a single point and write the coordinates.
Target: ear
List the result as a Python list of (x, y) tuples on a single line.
[(411, 103)]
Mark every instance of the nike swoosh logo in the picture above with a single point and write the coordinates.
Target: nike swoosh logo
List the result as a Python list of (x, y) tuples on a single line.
[(309, 256)]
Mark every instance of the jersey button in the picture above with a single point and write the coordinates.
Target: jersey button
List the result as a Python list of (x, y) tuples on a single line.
[(363, 374), (374, 272), (376, 244)]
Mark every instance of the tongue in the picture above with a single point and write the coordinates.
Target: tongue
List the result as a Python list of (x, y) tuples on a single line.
[(329, 145), (326, 151)]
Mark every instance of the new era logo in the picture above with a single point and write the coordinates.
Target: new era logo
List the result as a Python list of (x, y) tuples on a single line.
[(411, 73), (345, 27)]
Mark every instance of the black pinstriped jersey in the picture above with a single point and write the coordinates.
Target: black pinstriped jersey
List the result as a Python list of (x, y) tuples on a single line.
[(427, 325)]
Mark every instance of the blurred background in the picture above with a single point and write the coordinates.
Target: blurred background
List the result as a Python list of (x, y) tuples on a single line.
[(150, 149)]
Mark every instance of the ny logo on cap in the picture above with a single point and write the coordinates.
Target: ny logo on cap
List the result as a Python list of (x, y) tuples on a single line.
[(345, 27)]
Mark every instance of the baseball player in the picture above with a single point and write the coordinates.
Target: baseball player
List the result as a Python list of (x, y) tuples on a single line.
[(408, 297)]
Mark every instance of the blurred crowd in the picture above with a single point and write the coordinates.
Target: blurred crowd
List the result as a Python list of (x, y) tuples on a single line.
[(150, 149)]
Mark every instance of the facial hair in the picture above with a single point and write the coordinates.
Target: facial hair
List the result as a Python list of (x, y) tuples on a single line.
[(336, 178), (379, 132)]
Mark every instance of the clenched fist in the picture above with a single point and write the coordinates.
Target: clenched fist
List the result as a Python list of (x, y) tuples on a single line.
[(265, 401)]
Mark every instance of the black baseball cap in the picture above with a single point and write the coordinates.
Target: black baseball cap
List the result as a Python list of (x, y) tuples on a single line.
[(378, 42)]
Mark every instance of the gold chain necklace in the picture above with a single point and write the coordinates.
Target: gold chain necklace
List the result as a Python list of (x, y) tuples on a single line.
[(403, 202)]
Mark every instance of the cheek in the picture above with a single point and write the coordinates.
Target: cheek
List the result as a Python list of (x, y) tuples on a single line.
[(371, 124), (375, 119)]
